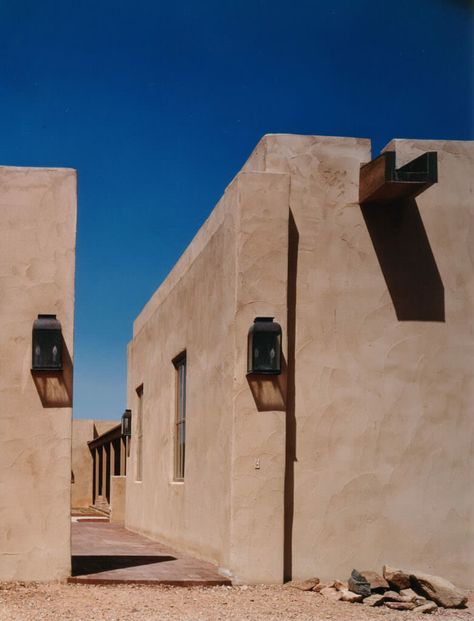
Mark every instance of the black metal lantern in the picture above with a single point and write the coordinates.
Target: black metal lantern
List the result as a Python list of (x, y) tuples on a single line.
[(47, 344), (127, 423), (264, 347)]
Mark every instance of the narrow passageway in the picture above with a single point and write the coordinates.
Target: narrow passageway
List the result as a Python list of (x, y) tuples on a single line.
[(104, 553)]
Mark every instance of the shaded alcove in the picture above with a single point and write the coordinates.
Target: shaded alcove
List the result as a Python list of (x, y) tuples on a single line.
[(81, 565)]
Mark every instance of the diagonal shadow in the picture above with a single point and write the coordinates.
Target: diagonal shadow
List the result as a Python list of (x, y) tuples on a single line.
[(84, 565), (55, 387), (406, 259)]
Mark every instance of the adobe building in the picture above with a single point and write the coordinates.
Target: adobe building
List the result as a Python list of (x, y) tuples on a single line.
[(359, 452), (92, 468), (37, 258)]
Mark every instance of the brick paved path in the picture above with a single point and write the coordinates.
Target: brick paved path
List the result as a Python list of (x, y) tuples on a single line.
[(104, 553)]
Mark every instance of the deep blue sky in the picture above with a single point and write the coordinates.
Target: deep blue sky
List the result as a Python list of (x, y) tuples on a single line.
[(158, 104)]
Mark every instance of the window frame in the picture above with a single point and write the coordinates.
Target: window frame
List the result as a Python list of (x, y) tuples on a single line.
[(179, 447), (139, 436)]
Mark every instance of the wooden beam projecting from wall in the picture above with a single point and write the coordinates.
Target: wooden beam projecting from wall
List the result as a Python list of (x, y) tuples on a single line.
[(380, 181)]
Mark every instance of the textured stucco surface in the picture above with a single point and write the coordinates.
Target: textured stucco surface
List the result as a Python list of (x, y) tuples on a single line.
[(258, 438), (81, 478), (83, 431), (193, 310), (206, 307), (384, 425), (117, 498), (37, 252), (377, 425), (102, 426)]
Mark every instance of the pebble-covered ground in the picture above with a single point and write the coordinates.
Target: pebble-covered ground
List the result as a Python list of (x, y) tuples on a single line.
[(34, 602)]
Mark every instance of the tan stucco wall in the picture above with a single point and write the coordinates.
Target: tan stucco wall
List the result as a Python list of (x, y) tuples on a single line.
[(375, 423), (37, 252), (193, 310), (117, 498), (83, 431), (81, 478), (201, 308), (258, 437), (102, 426), (384, 426)]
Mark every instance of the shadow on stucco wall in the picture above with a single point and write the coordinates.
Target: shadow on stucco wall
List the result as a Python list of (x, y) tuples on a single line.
[(290, 452), (55, 387), (406, 260), (269, 391)]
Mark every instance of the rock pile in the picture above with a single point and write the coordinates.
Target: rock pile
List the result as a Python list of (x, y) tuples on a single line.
[(395, 589)]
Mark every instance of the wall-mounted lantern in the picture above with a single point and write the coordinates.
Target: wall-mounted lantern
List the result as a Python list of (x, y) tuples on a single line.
[(264, 347), (47, 344), (127, 423)]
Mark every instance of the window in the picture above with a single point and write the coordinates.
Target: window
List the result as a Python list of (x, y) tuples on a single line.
[(139, 435), (180, 417)]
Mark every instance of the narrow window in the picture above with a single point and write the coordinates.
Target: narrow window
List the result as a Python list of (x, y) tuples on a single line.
[(139, 435), (180, 417)]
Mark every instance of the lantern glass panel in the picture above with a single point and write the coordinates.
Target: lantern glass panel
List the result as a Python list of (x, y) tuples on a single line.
[(266, 352), (264, 347)]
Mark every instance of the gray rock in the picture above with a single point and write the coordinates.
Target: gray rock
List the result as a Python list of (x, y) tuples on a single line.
[(358, 584), (396, 578), (439, 590)]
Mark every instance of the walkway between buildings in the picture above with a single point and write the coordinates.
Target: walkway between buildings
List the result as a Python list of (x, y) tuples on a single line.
[(104, 553)]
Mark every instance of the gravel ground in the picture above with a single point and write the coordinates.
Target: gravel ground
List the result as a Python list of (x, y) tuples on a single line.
[(34, 602)]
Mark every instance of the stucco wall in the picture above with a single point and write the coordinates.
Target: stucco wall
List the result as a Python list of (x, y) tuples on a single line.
[(258, 433), (234, 270), (37, 252), (193, 310), (384, 385), (81, 477), (361, 453), (117, 498), (83, 431)]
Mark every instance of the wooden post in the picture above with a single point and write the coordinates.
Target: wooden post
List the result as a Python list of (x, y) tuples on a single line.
[(103, 487)]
